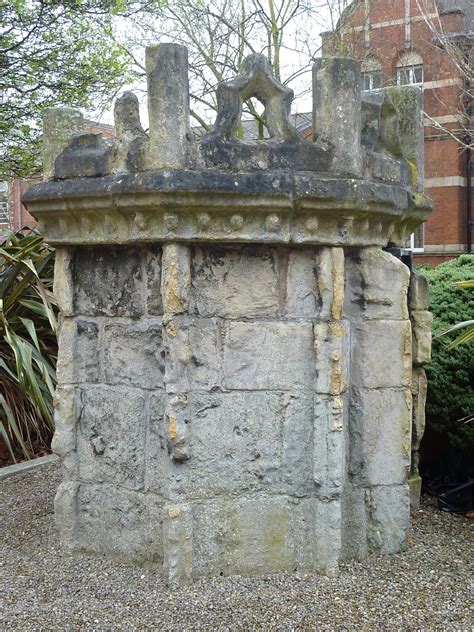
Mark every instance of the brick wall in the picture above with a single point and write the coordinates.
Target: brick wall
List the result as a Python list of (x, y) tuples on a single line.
[(386, 32), (19, 216)]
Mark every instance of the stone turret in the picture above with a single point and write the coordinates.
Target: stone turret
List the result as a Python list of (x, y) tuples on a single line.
[(235, 350)]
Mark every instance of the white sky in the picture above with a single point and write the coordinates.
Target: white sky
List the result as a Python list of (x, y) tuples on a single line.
[(291, 61)]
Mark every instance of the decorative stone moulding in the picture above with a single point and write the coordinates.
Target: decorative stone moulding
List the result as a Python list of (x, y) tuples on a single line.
[(235, 370)]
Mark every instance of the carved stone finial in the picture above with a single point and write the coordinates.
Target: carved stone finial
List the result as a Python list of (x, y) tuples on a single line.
[(132, 142), (256, 79)]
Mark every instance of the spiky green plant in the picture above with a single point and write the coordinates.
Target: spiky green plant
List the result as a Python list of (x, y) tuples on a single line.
[(28, 346)]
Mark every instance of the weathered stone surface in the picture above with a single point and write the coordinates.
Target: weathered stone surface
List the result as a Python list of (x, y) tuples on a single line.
[(109, 452), (153, 300), (177, 418), (134, 353), (252, 535), (205, 365), (65, 512), (60, 125), (63, 283), (329, 465), (66, 413), (78, 354), (327, 536), (353, 522), (419, 295), (419, 388), (269, 355), (302, 293), (380, 436), (330, 275), (235, 366), (264, 440), (381, 354), (376, 285), (332, 357), (388, 511), (422, 326), (409, 130), (176, 278), (337, 110), (108, 282), (177, 542), (119, 522), (221, 287), (168, 106), (414, 485)]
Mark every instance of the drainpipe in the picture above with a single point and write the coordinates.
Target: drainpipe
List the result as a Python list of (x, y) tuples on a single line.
[(468, 140)]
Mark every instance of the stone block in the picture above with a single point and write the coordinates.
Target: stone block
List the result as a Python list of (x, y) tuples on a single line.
[(177, 543), (67, 408), (119, 522), (111, 437), (353, 522), (205, 365), (78, 351), (157, 458), (177, 420), (177, 355), (376, 285), (422, 327), (302, 295), (63, 282), (388, 512), (329, 446), (337, 110), (419, 294), (381, 353), (414, 485), (332, 357), (330, 276), (419, 389), (252, 536), (108, 282), (327, 536), (239, 443), (176, 278), (221, 287), (153, 300), (60, 125), (269, 356), (65, 513), (380, 436), (134, 354)]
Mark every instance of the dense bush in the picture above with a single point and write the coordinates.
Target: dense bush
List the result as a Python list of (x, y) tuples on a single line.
[(451, 372), (28, 347)]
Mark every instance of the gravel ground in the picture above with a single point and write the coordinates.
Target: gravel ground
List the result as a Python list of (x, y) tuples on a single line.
[(428, 587)]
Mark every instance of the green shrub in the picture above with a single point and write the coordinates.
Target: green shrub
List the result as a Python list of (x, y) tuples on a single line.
[(28, 347), (451, 372)]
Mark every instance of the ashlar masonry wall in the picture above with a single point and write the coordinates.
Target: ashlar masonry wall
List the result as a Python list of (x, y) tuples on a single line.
[(235, 349)]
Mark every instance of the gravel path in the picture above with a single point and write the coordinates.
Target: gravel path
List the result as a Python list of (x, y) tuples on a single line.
[(427, 587)]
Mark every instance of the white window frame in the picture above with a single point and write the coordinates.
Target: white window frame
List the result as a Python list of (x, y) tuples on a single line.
[(410, 70), (371, 74), (4, 213), (412, 246)]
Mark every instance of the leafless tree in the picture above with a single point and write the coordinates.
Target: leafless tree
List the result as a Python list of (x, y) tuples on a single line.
[(221, 33)]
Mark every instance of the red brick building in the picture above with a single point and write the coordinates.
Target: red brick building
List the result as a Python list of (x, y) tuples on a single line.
[(418, 42), (13, 214)]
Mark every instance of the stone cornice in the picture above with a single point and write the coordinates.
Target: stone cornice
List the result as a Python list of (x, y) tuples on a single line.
[(207, 205)]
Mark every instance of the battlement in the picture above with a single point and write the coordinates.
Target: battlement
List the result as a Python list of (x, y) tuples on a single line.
[(359, 183)]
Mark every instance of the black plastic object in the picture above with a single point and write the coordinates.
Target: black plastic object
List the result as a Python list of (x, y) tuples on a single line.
[(458, 500)]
